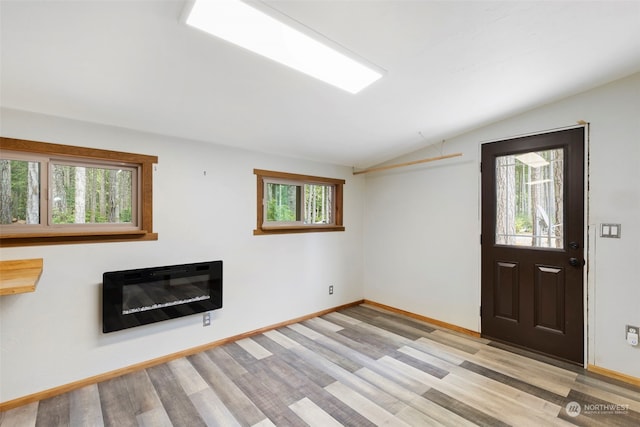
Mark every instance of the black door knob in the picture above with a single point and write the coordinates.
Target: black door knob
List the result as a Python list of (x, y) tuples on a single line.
[(575, 262)]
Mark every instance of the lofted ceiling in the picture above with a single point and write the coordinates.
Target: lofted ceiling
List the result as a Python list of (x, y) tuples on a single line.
[(451, 66)]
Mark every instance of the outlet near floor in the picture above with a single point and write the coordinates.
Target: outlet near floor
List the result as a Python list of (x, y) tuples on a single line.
[(330, 289), (631, 334)]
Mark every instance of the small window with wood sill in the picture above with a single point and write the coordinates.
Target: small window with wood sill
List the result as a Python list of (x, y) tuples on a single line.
[(53, 194), (293, 203)]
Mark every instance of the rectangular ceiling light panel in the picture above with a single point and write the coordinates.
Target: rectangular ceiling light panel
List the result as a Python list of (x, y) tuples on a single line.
[(241, 24)]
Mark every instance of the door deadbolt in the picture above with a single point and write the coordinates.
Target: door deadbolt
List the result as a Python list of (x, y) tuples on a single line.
[(576, 262)]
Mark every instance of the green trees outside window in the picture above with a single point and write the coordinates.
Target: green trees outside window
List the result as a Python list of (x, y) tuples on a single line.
[(79, 194), (19, 192), (91, 195), (284, 203)]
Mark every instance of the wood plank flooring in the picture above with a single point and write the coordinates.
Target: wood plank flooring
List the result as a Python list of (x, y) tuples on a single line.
[(362, 366)]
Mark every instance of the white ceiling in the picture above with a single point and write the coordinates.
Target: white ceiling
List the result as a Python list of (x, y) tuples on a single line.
[(451, 66)]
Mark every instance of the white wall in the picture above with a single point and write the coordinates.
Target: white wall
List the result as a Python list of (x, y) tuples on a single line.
[(54, 336), (422, 250)]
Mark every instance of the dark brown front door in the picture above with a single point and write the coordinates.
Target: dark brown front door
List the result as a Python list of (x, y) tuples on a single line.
[(532, 242)]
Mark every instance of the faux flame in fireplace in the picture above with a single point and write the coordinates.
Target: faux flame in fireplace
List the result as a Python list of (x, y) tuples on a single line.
[(147, 295)]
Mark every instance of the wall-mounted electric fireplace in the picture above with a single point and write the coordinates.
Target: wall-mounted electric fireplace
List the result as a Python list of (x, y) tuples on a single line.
[(147, 295)]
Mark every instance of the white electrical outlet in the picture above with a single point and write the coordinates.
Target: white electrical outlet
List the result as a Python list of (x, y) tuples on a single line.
[(206, 319), (632, 335)]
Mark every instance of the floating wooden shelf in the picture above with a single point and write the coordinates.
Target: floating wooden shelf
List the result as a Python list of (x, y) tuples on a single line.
[(19, 276)]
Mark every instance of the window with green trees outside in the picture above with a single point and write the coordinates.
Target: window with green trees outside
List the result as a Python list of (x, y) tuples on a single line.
[(298, 203), (52, 193)]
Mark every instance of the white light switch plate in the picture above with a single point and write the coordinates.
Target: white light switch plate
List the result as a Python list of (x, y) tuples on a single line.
[(610, 230)]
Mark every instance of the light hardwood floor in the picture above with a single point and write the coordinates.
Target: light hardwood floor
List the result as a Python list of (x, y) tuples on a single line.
[(361, 366)]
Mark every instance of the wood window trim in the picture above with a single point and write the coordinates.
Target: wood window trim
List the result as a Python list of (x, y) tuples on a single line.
[(145, 190), (260, 229)]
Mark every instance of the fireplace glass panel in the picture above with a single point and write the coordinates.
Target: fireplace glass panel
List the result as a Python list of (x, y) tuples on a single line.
[(164, 293)]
